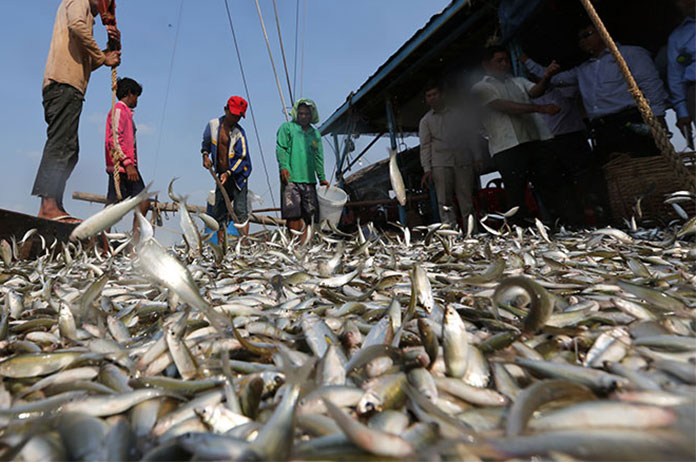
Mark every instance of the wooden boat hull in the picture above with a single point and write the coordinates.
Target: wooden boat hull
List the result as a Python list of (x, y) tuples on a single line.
[(17, 224)]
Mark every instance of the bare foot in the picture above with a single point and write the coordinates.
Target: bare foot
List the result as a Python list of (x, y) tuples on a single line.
[(51, 211)]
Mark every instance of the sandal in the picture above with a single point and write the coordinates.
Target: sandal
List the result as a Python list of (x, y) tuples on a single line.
[(66, 219)]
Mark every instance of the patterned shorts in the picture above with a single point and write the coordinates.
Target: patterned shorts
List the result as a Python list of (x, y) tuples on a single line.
[(299, 200)]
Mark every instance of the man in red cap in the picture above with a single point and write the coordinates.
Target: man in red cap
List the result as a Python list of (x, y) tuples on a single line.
[(225, 146)]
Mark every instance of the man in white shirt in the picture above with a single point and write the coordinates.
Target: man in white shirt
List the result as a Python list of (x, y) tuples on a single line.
[(515, 129), (572, 148)]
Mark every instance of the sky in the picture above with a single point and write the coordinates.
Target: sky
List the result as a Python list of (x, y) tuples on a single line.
[(183, 54)]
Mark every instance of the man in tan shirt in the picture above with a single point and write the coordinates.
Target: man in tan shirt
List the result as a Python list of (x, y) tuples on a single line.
[(449, 152), (71, 59)]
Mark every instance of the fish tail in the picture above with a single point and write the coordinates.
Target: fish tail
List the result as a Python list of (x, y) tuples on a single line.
[(295, 376)]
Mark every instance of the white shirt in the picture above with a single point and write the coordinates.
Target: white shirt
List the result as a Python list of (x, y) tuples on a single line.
[(505, 131)]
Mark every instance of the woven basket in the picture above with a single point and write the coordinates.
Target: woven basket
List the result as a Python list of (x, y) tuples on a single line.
[(650, 177)]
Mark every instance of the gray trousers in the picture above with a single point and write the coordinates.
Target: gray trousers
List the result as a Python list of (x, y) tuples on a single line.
[(62, 108), (449, 182)]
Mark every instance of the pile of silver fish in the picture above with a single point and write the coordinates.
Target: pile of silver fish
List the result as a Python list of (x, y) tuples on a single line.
[(423, 344)]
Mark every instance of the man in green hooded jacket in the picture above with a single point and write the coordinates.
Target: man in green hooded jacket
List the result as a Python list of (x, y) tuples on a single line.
[(301, 161)]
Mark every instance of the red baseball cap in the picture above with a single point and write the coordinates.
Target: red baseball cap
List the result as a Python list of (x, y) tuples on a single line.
[(237, 105)]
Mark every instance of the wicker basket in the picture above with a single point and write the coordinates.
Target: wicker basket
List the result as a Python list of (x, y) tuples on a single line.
[(650, 177)]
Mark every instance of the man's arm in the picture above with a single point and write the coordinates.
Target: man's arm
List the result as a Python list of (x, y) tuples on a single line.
[(513, 108), (242, 166), (648, 79), (81, 30), (206, 147), (283, 146), (240, 149), (319, 161), (124, 124), (426, 147), (426, 144), (559, 79), (675, 80), (490, 97), (540, 87)]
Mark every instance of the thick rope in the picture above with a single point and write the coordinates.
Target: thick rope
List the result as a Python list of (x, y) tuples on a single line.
[(297, 34), (160, 135), (116, 153), (656, 129), (251, 106), (304, 26), (282, 52), (270, 55)]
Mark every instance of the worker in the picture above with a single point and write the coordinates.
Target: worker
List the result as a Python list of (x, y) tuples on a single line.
[(515, 130), (72, 57), (616, 123), (301, 161), (681, 67), (447, 155), (584, 184), (130, 181), (225, 141)]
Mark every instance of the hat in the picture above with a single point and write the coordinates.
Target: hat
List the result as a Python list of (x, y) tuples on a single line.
[(237, 105)]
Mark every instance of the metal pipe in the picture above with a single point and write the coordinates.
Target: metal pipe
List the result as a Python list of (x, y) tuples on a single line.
[(372, 143)]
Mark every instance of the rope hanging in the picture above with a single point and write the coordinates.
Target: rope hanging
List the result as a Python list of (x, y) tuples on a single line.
[(270, 55), (251, 106), (116, 153), (107, 13), (656, 129), (282, 52)]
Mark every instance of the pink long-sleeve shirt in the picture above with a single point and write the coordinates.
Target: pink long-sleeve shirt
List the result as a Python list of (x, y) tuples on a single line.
[(126, 137)]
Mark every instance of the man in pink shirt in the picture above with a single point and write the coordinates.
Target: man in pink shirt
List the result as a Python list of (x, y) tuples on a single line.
[(130, 181)]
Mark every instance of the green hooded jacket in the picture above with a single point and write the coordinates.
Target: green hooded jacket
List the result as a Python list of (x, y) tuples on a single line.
[(300, 152)]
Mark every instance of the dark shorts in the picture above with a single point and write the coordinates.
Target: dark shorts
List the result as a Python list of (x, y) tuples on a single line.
[(128, 188), (299, 200), (238, 197)]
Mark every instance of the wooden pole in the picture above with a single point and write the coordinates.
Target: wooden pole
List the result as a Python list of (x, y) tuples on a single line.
[(171, 207)]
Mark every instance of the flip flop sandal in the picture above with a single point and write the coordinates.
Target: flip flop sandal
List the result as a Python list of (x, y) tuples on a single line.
[(67, 217)]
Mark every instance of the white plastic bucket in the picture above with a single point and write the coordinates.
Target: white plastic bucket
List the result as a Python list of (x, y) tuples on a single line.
[(331, 202)]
